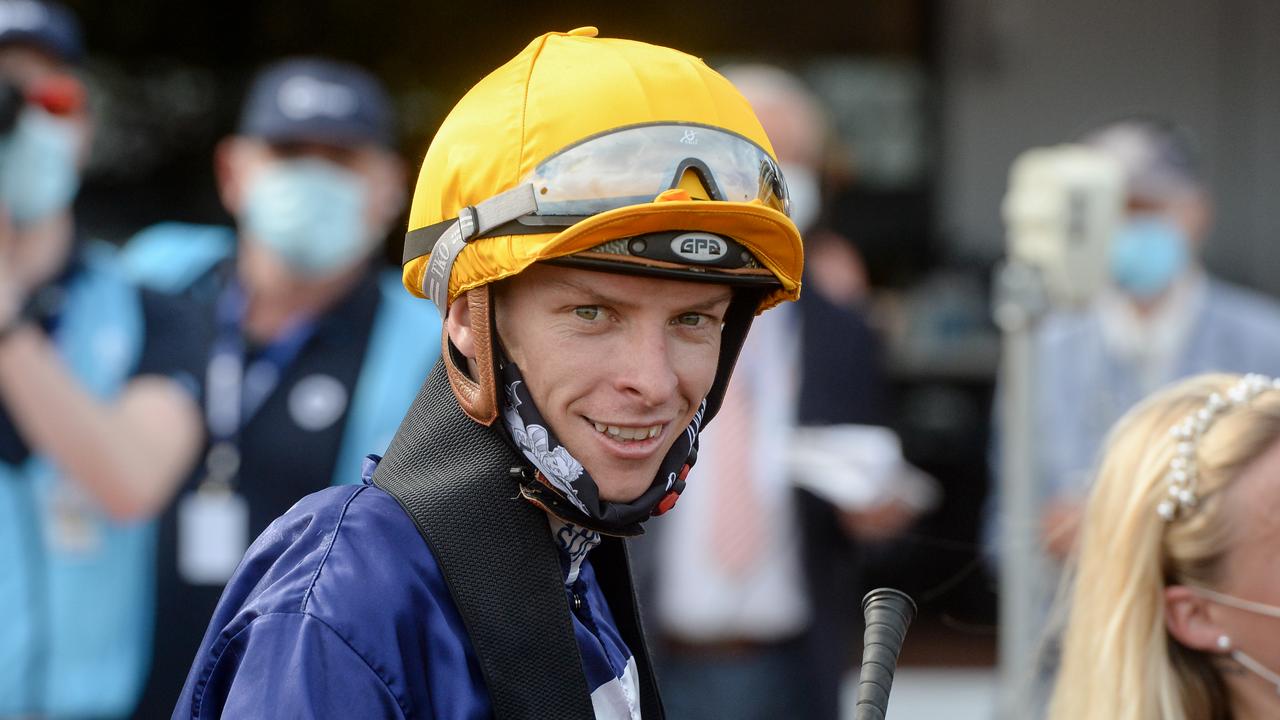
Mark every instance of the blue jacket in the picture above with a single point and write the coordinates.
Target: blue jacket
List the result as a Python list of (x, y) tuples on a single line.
[(340, 610)]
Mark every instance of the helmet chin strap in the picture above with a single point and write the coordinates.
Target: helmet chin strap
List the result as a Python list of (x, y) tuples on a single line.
[(565, 488), (476, 395)]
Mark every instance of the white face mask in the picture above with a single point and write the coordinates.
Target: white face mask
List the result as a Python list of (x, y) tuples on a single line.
[(1248, 662)]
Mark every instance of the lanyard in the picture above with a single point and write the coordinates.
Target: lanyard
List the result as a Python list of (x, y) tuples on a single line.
[(236, 389)]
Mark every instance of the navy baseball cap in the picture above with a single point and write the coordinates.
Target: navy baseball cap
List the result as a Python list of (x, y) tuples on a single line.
[(46, 25), (1157, 155), (317, 100)]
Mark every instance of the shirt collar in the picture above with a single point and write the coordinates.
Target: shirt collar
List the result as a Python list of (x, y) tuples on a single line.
[(573, 542), (1153, 342)]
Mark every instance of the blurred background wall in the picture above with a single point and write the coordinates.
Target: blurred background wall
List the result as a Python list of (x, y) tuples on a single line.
[(1012, 74), (987, 77)]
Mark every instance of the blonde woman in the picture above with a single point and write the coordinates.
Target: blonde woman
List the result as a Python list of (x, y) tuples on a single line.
[(1175, 611)]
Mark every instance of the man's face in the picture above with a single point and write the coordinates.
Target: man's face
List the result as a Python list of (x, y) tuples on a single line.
[(616, 364), (308, 210)]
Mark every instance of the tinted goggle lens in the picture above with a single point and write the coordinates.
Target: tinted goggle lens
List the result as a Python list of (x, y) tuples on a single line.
[(632, 165)]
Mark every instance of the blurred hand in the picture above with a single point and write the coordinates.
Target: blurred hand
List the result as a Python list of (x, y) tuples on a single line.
[(1059, 527), (878, 523)]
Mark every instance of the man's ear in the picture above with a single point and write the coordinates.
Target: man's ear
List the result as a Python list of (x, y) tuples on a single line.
[(1200, 219), (458, 324), (390, 177), (1187, 617), (232, 158)]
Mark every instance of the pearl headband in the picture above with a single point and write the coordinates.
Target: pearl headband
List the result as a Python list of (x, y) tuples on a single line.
[(1182, 476)]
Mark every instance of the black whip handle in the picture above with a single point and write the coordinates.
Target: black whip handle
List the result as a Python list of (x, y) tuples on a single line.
[(888, 613)]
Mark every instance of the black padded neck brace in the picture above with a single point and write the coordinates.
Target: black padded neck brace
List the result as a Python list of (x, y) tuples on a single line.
[(458, 480)]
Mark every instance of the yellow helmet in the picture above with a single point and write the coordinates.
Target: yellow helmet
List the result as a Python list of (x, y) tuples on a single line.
[(603, 153)]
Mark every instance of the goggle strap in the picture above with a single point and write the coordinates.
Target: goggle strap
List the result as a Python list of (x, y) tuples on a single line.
[(472, 222), (422, 241)]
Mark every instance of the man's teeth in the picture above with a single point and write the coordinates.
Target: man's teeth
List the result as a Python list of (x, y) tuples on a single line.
[(629, 433)]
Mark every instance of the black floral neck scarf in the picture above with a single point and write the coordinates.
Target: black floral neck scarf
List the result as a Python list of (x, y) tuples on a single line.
[(564, 488)]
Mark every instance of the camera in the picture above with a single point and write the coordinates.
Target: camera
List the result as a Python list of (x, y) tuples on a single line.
[(11, 102), (1062, 208)]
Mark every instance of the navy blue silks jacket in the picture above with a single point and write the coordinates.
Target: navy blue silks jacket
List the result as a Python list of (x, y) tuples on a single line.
[(340, 610)]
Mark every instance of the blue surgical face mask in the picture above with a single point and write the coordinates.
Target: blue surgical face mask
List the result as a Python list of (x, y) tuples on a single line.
[(309, 212), (1148, 254), (38, 174)]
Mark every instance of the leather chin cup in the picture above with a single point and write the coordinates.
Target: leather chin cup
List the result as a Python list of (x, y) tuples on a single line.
[(478, 397)]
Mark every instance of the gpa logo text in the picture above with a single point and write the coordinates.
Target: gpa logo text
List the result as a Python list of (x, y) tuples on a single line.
[(699, 247)]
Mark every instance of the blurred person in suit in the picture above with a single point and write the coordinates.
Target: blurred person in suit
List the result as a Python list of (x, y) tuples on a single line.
[(98, 416), (752, 588)]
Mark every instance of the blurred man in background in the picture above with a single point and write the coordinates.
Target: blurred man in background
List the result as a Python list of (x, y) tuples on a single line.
[(1162, 317), (98, 423), (308, 361), (803, 131), (754, 586)]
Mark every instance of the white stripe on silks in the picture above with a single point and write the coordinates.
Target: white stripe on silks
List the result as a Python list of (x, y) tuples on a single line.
[(618, 699)]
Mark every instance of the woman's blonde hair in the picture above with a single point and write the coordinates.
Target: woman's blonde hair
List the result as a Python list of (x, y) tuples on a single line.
[(1118, 661)]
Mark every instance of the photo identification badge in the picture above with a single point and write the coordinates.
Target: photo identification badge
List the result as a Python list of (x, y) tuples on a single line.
[(213, 533)]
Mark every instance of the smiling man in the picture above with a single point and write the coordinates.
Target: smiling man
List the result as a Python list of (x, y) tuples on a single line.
[(662, 338), (598, 221)]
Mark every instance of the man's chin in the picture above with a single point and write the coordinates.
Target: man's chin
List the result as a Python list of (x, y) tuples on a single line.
[(619, 479), (623, 487)]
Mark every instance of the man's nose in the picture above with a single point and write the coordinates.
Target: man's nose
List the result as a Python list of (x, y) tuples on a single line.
[(647, 370)]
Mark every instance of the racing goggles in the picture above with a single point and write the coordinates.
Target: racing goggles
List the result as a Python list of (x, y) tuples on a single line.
[(634, 164), (618, 168)]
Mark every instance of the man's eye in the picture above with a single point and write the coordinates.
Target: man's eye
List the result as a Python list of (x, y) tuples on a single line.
[(587, 312), (691, 319)]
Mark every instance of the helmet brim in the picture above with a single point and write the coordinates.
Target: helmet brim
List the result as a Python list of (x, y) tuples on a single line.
[(767, 233)]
